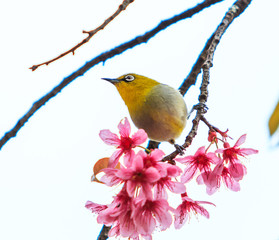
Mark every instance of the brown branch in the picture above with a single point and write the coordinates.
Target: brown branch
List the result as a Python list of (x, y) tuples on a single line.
[(207, 53), (191, 79), (102, 58), (104, 233), (91, 33)]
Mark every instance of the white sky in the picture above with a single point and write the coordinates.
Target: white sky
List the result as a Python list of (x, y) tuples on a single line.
[(45, 171)]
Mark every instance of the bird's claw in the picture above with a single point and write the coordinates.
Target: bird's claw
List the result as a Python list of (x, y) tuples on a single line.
[(199, 107), (180, 149)]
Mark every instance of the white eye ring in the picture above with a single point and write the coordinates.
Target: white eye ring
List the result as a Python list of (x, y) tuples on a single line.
[(129, 78)]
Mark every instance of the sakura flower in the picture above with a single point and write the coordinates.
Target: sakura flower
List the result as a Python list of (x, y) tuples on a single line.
[(200, 161), (231, 154), (149, 213), (213, 179), (182, 212), (124, 143), (101, 209), (108, 214), (167, 183), (154, 159), (138, 176)]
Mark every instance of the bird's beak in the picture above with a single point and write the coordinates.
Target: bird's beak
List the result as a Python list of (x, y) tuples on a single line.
[(112, 80)]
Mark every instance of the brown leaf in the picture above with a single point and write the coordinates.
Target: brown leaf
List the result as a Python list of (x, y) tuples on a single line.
[(273, 123), (99, 166)]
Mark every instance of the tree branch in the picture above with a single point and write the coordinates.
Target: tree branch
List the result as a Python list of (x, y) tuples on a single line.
[(208, 52), (102, 58), (91, 33), (104, 233)]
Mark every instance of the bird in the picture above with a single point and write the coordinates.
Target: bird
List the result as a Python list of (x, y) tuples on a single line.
[(157, 108)]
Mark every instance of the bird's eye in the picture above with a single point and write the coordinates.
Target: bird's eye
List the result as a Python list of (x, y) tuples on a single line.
[(129, 78)]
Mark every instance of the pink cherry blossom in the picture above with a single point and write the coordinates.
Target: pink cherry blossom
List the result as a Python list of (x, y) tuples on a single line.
[(108, 214), (150, 213), (213, 179), (231, 153), (200, 161), (167, 183), (138, 176), (188, 206), (231, 156), (124, 143), (154, 159)]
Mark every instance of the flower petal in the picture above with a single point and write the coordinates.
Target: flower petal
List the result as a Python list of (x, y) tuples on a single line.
[(139, 137), (110, 178), (137, 163), (94, 207), (176, 187), (188, 174), (125, 173), (201, 210), (237, 171), (113, 160), (180, 216), (162, 214), (240, 141), (146, 190), (124, 128), (201, 150), (247, 151), (157, 154), (231, 183), (213, 157), (128, 158), (109, 138), (152, 175), (173, 170), (131, 187), (184, 160)]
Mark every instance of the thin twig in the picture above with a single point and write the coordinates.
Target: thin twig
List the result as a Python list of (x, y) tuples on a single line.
[(102, 58), (237, 8), (91, 33)]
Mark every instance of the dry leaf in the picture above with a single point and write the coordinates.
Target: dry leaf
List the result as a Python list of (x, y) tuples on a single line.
[(99, 166), (273, 123)]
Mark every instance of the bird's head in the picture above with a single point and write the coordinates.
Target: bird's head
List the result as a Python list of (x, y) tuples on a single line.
[(131, 86)]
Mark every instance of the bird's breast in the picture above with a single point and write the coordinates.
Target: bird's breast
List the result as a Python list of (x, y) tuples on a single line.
[(162, 113)]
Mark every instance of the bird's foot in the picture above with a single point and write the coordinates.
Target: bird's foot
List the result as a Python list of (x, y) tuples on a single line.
[(199, 107), (180, 149)]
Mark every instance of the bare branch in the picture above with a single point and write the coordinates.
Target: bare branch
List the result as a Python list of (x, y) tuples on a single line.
[(91, 33), (102, 58), (208, 52)]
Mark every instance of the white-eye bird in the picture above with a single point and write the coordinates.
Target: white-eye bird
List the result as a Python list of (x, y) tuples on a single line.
[(155, 107)]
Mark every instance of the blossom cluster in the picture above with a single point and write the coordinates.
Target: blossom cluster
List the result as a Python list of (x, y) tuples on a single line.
[(142, 204)]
